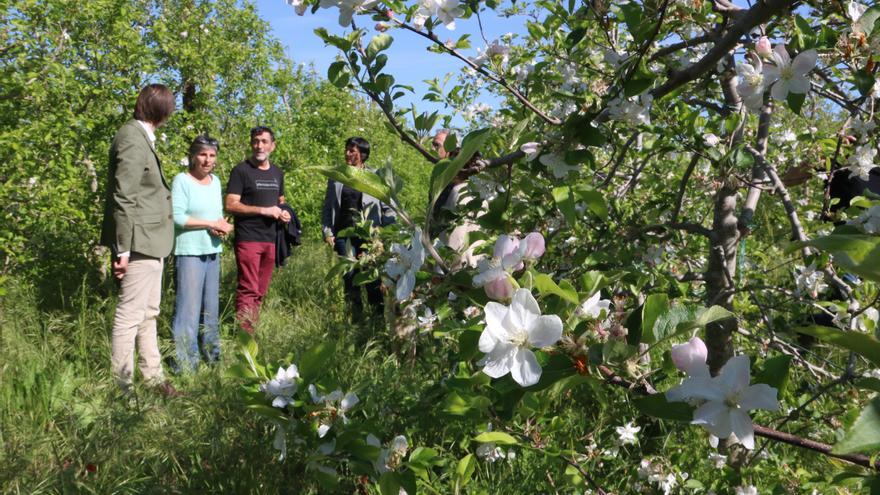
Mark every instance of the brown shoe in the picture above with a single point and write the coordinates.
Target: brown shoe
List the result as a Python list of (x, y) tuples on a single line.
[(167, 389)]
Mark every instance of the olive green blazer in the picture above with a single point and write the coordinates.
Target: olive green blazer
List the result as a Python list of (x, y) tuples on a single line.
[(137, 212)]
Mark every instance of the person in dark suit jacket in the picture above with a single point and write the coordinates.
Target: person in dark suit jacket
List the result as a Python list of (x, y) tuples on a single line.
[(342, 207), (139, 230)]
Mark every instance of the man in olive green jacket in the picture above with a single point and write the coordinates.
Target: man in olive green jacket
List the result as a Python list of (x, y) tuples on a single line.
[(139, 230)]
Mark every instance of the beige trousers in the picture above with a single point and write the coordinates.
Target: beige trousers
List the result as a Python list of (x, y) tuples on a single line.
[(135, 322)]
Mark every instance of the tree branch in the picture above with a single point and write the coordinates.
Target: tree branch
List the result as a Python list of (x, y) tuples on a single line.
[(492, 77)]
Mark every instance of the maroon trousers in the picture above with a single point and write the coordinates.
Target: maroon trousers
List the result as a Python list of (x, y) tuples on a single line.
[(255, 261)]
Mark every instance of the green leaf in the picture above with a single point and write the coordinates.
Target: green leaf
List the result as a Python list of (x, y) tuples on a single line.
[(497, 437), (869, 383), (314, 361), (545, 285), (775, 372), (337, 74), (594, 200), (855, 252), (869, 19), (796, 101), (377, 44), (864, 345), (565, 202), (657, 406), (864, 436), (389, 483), (465, 469), (356, 178), (655, 305), (446, 170), (268, 412)]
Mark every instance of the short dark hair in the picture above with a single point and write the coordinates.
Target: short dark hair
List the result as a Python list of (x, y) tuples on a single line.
[(203, 141), (260, 129), (155, 104), (362, 145)]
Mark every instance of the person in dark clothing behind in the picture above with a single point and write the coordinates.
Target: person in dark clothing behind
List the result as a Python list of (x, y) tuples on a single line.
[(343, 207)]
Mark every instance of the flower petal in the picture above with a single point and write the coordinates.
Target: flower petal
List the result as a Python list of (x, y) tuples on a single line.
[(496, 314), (405, 286), (759, 396), (804, 62), (715, 417), (780, 90), (545, 331), (525, 370), (734, 375), (698, 388), (741, 426), (799, 85), (691, 357), (498, 362)]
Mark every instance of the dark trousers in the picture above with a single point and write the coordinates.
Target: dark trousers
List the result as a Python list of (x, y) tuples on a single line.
[(352, 291)]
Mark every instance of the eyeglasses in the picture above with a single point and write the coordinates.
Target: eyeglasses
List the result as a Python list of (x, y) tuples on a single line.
[(206, 141)]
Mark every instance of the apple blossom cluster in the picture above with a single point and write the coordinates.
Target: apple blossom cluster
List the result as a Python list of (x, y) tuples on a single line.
[(404, 264), (861, 162), (868, 220), (391, 456), (445, 10), (281, 388), (653, 473), (781, 77), (508, 257), (722, 402), (635, 110), (510, 334), (810, 281), (336, 405)]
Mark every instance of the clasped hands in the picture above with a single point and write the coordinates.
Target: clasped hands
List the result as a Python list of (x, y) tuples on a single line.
[(276, 213), (220, 228)]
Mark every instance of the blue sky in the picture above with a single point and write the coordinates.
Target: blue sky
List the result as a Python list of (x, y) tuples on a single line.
[(408, 60)]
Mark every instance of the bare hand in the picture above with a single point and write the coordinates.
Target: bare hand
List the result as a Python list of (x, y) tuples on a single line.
[(330, 240), (285, 216), (222, 226), (272, 211), (119, 267)]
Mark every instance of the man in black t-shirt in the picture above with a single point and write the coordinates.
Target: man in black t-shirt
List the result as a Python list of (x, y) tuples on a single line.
[(254, 191)]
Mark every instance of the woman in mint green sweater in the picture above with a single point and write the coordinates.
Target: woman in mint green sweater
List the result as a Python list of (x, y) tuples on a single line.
[(199, 227)]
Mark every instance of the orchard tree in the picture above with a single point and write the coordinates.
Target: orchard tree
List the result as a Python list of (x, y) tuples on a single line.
[(696, 179)]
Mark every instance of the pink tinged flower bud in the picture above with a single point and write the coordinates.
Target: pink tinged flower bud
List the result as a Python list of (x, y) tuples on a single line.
[(691, 357), (381, 27), (763, 48), (534, 246), (499, 289)]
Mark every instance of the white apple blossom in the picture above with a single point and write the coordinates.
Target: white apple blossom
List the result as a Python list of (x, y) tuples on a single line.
[(810, 281), (787, 75), (557, 165), (718, 460), (855, 10), (300, 6), (867, 321), (868, 220), (511, 332), (495, 51), (861, 127), (404, 265), (723, 401), (788, 136), (626, 434), (347, 8), (751, 84), (282, 387), (711, 140), (389, 458), (523, 71), (508, 256), (746, 490), (531, 149), (490, 452), (861, 162), (446, 10), (635, 110), (594, 307), (474, 110)]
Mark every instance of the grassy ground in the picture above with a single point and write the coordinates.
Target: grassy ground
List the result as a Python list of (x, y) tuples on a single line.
[(65, 428)]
